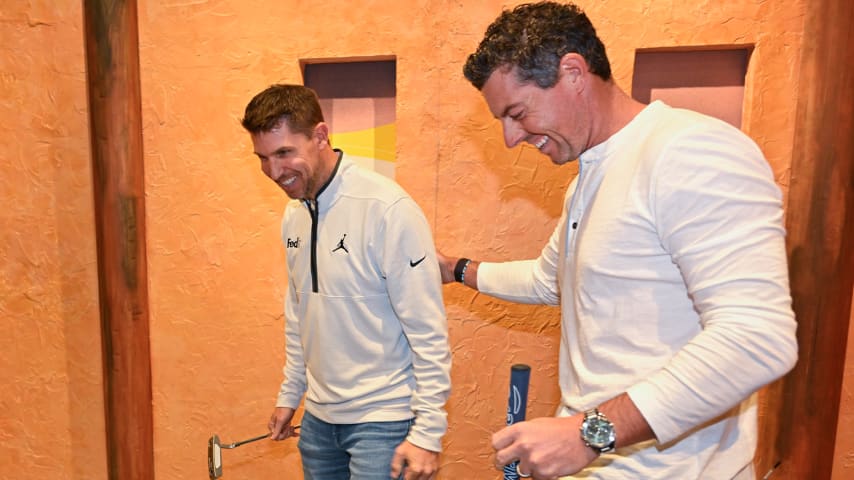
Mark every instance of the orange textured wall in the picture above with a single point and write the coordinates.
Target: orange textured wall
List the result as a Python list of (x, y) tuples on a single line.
[(51, 402), (216, 266)]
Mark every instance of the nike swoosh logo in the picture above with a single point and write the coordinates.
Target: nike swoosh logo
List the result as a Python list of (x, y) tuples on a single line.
[(413, 264)]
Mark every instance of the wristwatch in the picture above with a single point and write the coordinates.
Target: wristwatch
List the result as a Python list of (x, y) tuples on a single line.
[(598, 432)]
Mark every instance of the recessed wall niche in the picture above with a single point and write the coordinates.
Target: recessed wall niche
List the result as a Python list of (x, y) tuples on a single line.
[(704, 79), (358, 102)]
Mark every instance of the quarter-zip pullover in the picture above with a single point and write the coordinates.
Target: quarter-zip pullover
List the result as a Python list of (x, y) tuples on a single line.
[(366, 333)]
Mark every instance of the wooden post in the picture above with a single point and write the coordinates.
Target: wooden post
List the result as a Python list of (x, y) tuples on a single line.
[(800, 430), (112, 60)]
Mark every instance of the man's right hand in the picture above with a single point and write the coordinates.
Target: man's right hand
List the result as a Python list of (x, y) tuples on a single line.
[(280, 424), (446, 266)]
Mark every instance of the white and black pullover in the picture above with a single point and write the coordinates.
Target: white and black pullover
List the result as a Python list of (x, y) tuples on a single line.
[(366, 332)]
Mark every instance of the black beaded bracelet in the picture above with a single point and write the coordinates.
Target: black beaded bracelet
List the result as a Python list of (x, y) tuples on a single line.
[(460, 269)]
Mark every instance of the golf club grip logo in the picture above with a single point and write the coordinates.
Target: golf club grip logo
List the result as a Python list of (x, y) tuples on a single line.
[(510, 472), (514, 406), (517, 403)]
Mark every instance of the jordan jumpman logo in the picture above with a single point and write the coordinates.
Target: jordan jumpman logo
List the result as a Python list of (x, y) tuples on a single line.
[(341, 245)]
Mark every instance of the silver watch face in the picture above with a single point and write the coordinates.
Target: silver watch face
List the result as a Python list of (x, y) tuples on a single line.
[(598, 432)]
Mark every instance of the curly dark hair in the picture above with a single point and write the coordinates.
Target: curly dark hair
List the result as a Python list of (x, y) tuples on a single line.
[(533, 37), (295, 105)]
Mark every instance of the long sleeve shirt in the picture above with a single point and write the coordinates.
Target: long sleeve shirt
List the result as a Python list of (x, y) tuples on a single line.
[(669, 267), (366, 333)]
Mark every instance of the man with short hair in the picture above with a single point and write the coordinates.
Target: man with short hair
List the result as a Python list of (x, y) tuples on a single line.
[(366, 334), (668, 263)]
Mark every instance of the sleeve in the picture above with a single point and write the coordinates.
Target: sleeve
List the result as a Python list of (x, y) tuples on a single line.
[(294, 384), (719, 214), (528, 281), (415, 290)]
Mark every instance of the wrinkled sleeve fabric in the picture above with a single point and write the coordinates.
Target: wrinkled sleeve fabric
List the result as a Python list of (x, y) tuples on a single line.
[(293, 386), (719, 215), (409, 263)]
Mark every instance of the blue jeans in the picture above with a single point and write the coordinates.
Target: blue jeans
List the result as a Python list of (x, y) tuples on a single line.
[(361, 451)]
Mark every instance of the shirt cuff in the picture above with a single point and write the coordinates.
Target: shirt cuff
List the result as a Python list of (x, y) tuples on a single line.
[(645, 396)]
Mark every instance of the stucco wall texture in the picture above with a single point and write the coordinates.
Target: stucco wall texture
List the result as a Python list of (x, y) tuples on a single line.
[(51, 400), (216, 266)]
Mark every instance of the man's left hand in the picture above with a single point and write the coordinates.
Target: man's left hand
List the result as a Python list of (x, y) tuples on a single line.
[(414, 462)]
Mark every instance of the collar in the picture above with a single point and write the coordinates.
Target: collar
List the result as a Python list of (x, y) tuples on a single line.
[(326, 195), (629, 133)]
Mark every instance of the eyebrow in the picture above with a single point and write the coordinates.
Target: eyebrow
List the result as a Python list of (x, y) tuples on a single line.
[(276, 151)]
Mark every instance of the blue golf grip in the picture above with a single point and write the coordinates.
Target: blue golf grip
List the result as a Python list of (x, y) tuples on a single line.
[(517, 403)]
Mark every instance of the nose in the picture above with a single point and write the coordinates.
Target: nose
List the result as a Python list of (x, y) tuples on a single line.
[(275, 168), (513, 133)]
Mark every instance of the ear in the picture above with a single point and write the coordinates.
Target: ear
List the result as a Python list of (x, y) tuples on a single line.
[(321, 133), (573, 70)]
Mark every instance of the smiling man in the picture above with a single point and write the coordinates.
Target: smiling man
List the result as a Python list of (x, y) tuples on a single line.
[(668, 264), (366, 334)]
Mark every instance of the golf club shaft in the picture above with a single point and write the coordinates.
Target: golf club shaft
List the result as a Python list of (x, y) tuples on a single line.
[(254, 439)]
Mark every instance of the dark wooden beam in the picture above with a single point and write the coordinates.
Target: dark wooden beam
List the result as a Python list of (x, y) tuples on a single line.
[(804, 407), (112, 60)]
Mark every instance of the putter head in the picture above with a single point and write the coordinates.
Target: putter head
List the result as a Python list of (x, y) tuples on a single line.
[(214, 458)]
